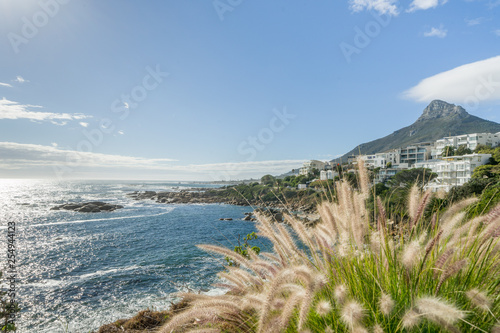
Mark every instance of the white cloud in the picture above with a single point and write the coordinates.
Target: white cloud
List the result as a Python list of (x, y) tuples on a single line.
[(436, 32), (20, 79), (84, 124), (59, 123), (425, 4), (121, 132), (475, 21), (5, 85), (30, 158), (381, 6), (497, 32), (54, 144), (468, 84), (14, 110)]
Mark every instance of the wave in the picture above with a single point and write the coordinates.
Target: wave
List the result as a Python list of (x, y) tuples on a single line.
[(170, 209), (106, 272)]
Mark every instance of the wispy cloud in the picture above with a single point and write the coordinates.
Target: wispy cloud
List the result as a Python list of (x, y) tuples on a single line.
[(493, 4), (425, 4), (14, 110), (440, 32), (390, 7), (381, 6), (475, 21), (497, 32), (83, 124), (5, 85), (28, 158), (20, 79), (474, 82)]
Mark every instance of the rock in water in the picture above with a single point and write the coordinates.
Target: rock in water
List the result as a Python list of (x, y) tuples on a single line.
[(89, 207)]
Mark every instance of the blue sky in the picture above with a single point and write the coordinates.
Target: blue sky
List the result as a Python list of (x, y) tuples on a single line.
[(210, 90)]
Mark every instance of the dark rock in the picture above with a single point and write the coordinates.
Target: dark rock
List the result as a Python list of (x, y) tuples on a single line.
[(70, 206), (89, 207)]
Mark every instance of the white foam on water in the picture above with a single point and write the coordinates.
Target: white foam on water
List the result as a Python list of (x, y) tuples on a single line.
[(107, 272), (49, 283), (103, 219)]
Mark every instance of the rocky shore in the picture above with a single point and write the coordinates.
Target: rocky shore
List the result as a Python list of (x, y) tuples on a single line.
[(211, 197), (304, 212)]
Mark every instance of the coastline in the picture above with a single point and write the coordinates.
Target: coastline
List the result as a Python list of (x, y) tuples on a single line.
[(147, 320), (303, 210)]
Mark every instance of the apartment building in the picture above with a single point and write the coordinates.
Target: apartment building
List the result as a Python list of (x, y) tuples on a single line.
[(453, 170), (416, 153), (308, 166), (380, 160), (470, 141)]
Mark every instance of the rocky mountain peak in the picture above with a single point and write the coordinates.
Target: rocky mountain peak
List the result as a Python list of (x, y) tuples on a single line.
[(440, 109)]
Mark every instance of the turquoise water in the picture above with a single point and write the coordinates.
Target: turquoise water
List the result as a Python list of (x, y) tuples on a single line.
[(78, 271)]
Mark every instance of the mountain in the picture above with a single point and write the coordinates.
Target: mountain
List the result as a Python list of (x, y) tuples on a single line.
[(439, 119)]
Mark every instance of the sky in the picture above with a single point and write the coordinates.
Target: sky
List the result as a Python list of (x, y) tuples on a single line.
[(228, 89)]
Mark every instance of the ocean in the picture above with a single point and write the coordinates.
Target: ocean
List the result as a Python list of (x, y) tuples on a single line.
[(78, 271)]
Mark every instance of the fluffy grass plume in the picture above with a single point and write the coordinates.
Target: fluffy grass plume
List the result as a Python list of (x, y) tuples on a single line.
[(359, 271)]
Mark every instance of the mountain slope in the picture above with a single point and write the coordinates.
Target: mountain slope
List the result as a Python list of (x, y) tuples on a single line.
[(439, 119)]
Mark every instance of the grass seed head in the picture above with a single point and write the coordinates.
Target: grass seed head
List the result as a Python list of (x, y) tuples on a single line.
[(386, 304), (438, 310), (479, 299), (411, 319), (352, 313), (340, 293), (323, 308)]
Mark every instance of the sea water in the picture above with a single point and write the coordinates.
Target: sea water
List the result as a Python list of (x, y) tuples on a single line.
[(78, 271)]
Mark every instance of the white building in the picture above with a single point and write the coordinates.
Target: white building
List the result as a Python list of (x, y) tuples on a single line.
[(327, 174), (453, 170), (470, 141), (380, 160), (310, 165)]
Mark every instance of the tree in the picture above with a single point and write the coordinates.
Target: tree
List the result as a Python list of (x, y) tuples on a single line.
[(315, 172), (267, 180), (487, 171), (389, 165), (412, 176), (483, 149), (448, 151), (463, 150), (496, 155)]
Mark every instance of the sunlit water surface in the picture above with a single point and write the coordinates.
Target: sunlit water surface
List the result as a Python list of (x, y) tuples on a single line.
[(78, 271)]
